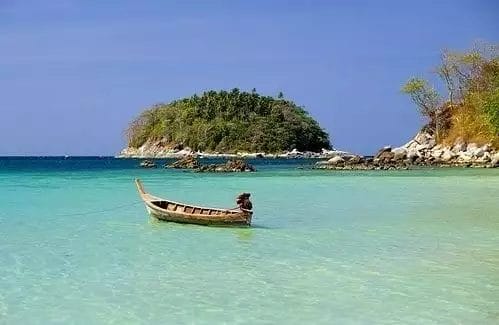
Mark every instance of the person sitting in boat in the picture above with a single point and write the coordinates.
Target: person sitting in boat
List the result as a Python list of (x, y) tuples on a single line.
[(243, 201)]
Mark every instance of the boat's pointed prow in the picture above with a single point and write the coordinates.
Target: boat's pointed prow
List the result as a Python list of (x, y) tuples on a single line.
[(140, 187)]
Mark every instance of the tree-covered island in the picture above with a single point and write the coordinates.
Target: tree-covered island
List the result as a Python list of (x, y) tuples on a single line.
[(229, 122)]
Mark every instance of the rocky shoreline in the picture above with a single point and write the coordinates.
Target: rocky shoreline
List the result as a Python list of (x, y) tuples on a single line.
[(157, 150), (192, 163), (422, 151)]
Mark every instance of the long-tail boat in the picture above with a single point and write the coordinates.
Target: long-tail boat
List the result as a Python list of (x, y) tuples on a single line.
[(167, 210)]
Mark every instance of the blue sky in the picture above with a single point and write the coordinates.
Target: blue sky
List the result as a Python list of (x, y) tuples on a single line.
[(73, 73)]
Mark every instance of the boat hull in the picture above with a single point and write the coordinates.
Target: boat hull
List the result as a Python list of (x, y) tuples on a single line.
[(240, 220), (171, 211)]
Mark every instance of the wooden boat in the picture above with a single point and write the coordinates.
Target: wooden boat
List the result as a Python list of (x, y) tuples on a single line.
[(167, 210)]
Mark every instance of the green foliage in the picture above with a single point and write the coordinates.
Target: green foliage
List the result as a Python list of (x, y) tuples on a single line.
[(229, 122), (491, 108), (490, 87), (471, 110), (423, 95)]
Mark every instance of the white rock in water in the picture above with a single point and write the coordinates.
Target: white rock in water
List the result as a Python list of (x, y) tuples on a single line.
[(326, 152), (335, 160), (337, 153)]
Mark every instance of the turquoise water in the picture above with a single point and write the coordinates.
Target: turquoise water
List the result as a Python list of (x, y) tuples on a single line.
[(417, 247)]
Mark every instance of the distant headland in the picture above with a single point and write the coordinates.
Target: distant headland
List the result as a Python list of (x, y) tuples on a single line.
[(462, 126)]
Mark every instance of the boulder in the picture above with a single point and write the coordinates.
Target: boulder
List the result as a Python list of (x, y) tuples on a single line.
[(413, 154), (485, 158), (147, 164), (188, 162), (494, 161), (447, 155), (459, 147), (422, 147), (239, 166), (384, 156), (355, 160), (236, 165), (464, 156), (399, 154), (384, 153), (334, 153), (423, 137), (128, 152), (438, 147), (480, 151), (436, 153), (471, 147), (293, 153), (336, 160)]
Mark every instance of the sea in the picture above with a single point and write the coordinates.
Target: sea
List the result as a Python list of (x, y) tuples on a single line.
[(325, 247)]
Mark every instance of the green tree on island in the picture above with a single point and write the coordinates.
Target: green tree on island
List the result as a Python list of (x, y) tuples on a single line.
[(229, 122)]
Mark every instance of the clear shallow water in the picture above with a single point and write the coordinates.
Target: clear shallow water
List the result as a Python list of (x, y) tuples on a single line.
[(342, 247)]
